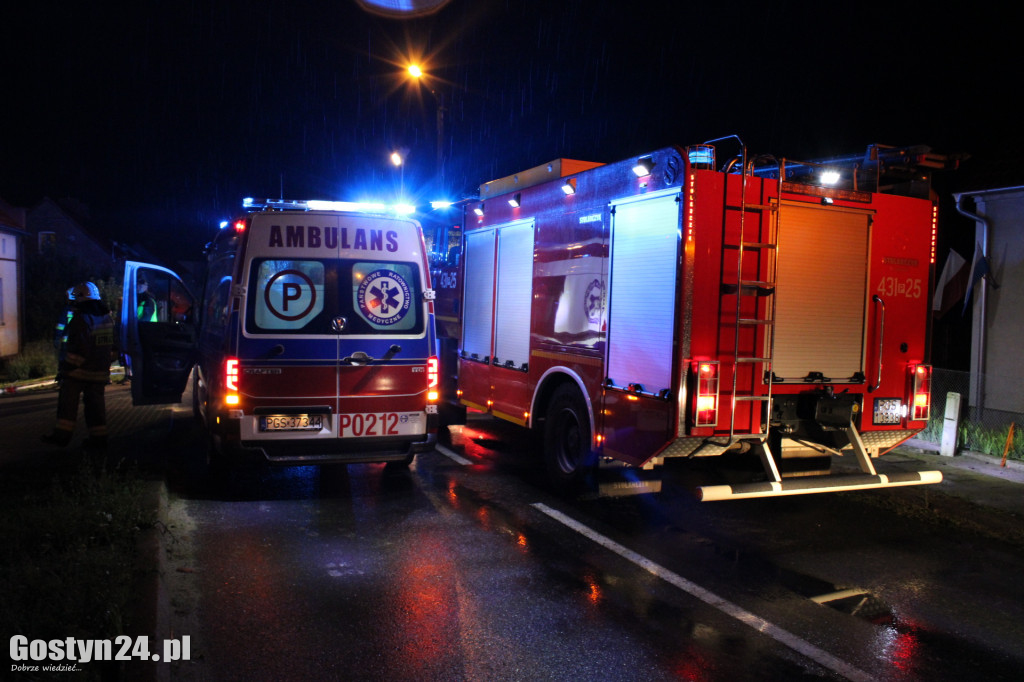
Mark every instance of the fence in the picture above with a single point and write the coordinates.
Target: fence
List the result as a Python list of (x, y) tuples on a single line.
[(981, 430)]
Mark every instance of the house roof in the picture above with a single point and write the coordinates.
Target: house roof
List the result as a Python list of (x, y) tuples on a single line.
[(12, 218)]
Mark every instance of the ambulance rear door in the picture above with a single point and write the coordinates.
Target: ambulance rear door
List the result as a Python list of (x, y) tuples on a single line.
[(336, 332), (158, 333)]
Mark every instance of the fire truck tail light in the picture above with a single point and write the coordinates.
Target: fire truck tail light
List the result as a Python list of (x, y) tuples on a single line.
[(433, 380), (707, 394), (921, 401), (231, 381)]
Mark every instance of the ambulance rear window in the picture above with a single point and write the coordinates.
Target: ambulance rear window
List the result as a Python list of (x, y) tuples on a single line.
[(306, 296)]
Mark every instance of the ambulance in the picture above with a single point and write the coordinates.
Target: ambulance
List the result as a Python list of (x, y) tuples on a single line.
[(312, 342)]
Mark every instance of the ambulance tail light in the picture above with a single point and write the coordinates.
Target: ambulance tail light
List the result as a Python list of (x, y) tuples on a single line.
[(707, 394), (231, 396), (433, 381), (921, 392)]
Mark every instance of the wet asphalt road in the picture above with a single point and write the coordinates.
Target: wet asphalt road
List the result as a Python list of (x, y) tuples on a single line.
[(376, 575), (466, 568)]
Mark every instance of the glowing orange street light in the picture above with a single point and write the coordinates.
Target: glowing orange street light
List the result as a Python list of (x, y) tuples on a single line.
[(416, 72)]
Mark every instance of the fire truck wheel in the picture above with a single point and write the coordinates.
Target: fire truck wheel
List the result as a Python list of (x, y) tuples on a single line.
[(567, 454)]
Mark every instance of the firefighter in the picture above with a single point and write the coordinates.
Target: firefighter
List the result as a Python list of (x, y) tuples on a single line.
[(86, 368), (146, 311)]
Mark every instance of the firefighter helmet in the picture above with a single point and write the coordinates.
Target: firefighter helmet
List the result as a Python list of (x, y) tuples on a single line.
[(86, 291)]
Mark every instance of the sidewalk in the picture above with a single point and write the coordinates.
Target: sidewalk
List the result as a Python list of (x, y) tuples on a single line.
[(970, 475)]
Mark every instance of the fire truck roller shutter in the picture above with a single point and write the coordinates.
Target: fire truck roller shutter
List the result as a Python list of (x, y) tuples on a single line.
[(478, 300), (514, 294), (644, 257), (822, 292)]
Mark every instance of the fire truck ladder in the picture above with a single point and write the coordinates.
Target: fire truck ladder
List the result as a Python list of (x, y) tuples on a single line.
[(756, 248)]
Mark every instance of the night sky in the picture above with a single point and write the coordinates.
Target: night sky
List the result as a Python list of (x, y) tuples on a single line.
[(162, 116)]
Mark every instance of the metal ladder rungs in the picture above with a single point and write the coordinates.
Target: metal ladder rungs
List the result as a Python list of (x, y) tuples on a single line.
[(751, 398), (751, 321), (759, 245), (753, 359)]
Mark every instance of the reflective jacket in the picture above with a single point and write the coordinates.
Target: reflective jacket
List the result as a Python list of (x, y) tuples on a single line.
[(90, 347)]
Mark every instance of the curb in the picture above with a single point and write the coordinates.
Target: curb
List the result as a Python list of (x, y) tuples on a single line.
[(991, 460)]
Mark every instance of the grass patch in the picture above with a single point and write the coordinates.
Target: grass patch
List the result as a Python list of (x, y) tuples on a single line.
[(992, 441), (36, 360), (68, 557)]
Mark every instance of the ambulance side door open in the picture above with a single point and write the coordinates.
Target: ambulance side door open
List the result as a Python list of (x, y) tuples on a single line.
[(159, 333)]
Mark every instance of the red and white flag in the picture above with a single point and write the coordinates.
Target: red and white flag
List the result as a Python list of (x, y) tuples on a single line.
[(952, 284)]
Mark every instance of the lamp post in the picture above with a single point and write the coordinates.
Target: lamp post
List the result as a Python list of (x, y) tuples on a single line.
[(416, 72)]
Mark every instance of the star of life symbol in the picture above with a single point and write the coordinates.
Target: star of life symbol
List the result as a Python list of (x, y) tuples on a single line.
[(384, 297)]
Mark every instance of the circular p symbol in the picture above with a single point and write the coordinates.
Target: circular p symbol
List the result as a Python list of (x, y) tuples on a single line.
[(290, 295)]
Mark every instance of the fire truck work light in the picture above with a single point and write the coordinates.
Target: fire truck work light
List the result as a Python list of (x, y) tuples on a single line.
[(707, 394), (643, 167), (830, 177), (514, 200), (569, 187), (479, 210)]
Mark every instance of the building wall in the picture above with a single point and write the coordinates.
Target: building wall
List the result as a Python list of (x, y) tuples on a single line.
[(1000, 363), (10, 316)]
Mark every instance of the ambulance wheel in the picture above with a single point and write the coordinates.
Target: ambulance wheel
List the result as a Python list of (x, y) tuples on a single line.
[(567, 436)]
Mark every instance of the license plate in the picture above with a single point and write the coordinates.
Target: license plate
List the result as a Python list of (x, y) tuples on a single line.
[(371, 424), (888, 411), (292, 422)]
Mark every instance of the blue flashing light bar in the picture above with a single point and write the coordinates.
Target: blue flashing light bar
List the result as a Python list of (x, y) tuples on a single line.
[(321, 205), (251, 204)]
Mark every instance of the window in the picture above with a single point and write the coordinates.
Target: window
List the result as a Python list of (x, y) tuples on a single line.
[(161, 298), (306, 296)]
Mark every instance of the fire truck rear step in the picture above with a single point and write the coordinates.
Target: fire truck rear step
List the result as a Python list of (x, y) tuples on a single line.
[(816, 484), (777, 486)]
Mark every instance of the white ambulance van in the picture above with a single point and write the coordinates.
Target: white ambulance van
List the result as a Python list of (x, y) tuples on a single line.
[(312, 343)]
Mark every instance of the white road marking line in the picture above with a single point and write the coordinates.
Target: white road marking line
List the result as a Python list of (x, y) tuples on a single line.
[(458, 459), (763, 626)]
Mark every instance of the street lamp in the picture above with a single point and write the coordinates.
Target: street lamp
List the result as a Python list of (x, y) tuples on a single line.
[(416, 72), (398, 161)]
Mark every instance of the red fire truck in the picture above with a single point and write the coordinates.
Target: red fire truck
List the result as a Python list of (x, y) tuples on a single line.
[(665, 306)]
